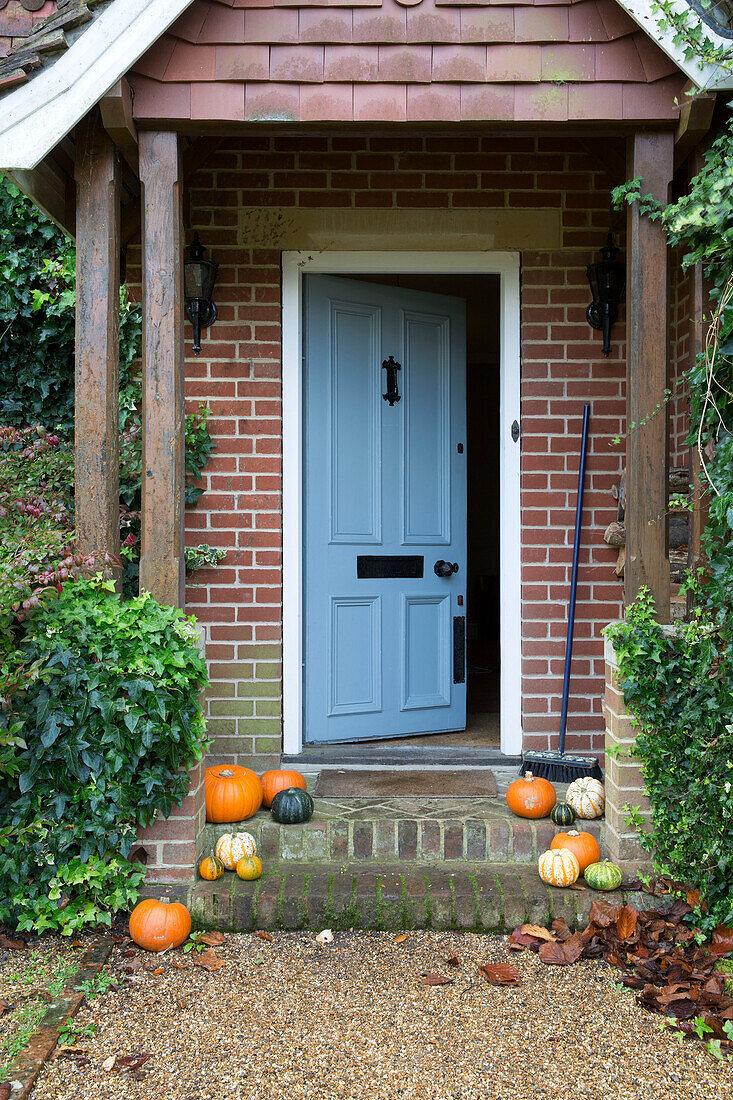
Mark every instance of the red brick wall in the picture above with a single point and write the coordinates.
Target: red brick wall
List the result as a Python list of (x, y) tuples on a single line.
[(238, 375)]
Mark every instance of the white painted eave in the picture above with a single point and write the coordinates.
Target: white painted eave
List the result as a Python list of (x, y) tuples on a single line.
[(708, 78), (37, 115)]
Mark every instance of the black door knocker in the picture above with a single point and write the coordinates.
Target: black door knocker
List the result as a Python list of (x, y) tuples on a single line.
[(391, 366)]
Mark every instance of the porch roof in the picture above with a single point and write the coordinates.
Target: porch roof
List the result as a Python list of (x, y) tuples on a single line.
[(210, 61)]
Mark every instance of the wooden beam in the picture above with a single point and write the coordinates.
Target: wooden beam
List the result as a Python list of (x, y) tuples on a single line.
[(193, 158), (162, 561), (117, 117), (699, 321), (47, 186), (696, 118), (650, 155), (96, 409)]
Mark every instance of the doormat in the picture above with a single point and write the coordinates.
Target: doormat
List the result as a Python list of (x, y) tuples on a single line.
[(378, 783)]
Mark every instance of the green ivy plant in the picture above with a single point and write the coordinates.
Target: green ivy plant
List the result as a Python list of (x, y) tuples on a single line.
[(678, 685), (111, 724)]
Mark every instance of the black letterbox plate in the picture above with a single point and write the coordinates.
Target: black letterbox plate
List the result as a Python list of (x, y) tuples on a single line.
[(380, 566)]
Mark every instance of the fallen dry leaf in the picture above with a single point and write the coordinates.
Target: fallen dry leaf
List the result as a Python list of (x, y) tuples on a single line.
[(108, 1063), (400, 939), (208, 960), (324, 937), (6, 1006), (553, 954), (213, 939), (159, 970), (452, 961), (129, 1061), (537, 931), (5, 1091), (500, 974), (10, 945), (626, 922), (263, 936), (436, 979)]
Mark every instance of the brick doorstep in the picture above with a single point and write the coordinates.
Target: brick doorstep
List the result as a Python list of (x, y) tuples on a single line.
[(477, 897), (396, 833)]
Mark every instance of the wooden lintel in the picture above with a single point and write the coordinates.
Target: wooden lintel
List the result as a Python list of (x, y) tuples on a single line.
[(96, 407), (650, 156), (696, 117), (117, 116), (161, 560)]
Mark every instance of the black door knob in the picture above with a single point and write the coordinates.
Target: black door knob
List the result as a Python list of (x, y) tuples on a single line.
[(444, 568)]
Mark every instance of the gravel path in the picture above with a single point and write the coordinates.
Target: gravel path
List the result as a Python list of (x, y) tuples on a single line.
[(291, 1019)]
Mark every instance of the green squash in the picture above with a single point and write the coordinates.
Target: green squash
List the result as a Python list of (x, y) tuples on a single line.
[(562, 813), (603, 876), (292, 806)]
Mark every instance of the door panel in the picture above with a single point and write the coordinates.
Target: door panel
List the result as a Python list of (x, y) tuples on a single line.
[(354, 429), (385, 498)]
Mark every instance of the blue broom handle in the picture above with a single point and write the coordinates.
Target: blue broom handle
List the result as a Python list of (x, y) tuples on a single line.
[(574, 581)]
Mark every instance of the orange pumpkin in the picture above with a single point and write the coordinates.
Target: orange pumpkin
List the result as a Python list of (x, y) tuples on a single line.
[(531, 796), (584, 847), (211, 868), (159, 925), (232, 793), (275, 781)]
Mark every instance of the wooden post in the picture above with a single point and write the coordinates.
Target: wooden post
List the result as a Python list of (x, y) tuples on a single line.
[(96, 413), (699, 321), (650, 155), (161, 561)]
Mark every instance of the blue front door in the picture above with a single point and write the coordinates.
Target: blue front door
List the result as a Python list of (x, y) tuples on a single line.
[(385, 511)]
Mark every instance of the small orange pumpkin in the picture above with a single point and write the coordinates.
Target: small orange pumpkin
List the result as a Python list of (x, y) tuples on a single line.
[(584, 847), (531, 796), (232, 793), (211, 868), (249, 868), (275, 781), (159, 925), (559, 867)]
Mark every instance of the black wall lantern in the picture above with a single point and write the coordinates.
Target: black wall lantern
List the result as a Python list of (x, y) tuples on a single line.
[(199, 276), (607, 280)]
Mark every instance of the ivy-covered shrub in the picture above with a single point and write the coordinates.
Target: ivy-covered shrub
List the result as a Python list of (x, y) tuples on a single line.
[(679, 687), (37, 306), (110, 720)]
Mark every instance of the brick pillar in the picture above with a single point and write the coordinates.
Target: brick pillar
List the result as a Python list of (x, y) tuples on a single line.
[(625, 784), (172, 844)]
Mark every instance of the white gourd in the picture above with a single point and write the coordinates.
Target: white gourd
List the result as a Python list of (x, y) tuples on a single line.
[(587, 798)]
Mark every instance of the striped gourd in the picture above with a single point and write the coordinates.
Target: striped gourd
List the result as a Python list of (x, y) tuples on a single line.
[(603, 876), (562, 814)]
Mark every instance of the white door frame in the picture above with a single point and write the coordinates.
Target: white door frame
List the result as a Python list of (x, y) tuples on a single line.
[(504, 264)]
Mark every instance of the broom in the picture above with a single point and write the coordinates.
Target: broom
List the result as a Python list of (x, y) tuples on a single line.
[(560, 766)]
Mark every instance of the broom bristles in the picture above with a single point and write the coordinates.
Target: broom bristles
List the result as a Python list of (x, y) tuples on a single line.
[(560, 767)]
